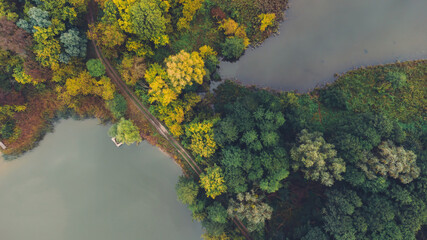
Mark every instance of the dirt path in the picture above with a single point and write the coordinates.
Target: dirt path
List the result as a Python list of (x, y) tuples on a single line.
[(124, 89)]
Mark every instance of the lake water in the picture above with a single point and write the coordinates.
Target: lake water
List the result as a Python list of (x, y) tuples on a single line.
[(78, 186), (323, 37)]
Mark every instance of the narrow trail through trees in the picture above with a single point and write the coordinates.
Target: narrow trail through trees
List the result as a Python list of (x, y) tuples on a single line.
[(112, 73), (124, 89)]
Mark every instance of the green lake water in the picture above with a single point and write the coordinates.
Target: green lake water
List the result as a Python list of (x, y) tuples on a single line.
[(323, 37), (76, 185)]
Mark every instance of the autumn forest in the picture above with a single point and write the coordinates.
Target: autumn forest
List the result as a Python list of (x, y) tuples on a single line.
[(344, 161)]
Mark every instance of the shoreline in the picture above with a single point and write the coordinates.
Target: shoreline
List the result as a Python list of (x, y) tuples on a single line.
[(150, 136)]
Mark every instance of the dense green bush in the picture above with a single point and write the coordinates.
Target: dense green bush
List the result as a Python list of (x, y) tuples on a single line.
[(117, 106), (74, 45), (125, 132), (232, 48), (7, 129), (95, 67)]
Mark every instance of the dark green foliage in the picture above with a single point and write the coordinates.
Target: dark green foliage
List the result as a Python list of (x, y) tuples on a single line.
[(117, 106), (7, 129), (217, 213), (185, 42), (211, 63), (358, 113), (315, 233), (214, 228), (334, 98), (161, 54), (95, 67), (251, 152), (232, 48), (356, 134), (340, 217)]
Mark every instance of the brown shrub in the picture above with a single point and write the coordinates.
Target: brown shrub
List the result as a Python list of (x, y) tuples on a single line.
[(218, 14), (37, 72), (13, 38)]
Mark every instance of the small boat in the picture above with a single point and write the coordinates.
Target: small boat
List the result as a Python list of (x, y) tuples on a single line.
[(114, 141)]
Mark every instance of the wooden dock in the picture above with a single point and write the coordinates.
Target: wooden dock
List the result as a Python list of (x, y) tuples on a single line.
[(114, 141), (2, 145)]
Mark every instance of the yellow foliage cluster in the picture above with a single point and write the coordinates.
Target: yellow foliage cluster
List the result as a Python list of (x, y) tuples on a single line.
[(85, 84), (232, 28), (132, 69), (189, 9), (106, 35), (137, 47), (48, 49), (267, 20), (173, 114), (202, 138), (160, 40), (6, 10), (65, 71), (229, 26), (159, 90), (184, 68), (123, 6), (23, 78), (9, 110), (213, 182), (206, 51), (167, 85)]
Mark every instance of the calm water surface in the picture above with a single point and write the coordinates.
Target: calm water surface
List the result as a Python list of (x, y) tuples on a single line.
[(78, 186), (323, 37)]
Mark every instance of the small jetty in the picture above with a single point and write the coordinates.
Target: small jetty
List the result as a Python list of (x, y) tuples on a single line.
[(2, 145), (115, 142)]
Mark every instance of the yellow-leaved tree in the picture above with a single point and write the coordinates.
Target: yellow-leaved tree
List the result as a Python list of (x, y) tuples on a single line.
[(166, 86), (106, 35), (47, 49), (21, 77), (84, 84), (124, 6), (202, 138), (184, 68), (212, 180), (159, 90), (132, 69), (189, 9), (174, 114), (206, 51), (231, 28), (267, 20)]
